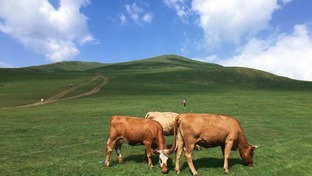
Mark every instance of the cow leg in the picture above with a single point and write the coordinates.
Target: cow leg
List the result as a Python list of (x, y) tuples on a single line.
[(145, 157), (178, 153), (109, 148), (222, 149), (154, 150), (148, 150), (118, 151), (227, 151), (188, 156)]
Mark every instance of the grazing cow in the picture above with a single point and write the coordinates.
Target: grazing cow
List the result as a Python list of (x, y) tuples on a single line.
[(166, 119), (210, 130), (133, 131)]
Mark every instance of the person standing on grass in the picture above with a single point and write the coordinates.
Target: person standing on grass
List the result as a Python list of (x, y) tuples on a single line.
[(184, 102)]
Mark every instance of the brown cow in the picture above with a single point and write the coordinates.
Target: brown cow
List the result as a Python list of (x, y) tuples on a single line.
[(210, 130), (133, 130)]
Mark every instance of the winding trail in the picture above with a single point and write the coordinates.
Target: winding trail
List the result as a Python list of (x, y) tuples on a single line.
[(58, 97)]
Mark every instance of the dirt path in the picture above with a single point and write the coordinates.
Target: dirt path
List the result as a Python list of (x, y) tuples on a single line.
[(58, 97)]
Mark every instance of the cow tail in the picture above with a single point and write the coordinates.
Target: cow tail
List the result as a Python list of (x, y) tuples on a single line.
[(173, 147)]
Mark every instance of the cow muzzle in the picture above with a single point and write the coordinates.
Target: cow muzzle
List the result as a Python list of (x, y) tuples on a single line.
[(164, 169)]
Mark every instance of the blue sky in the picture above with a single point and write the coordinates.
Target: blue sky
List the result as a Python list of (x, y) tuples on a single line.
[(270, 35)]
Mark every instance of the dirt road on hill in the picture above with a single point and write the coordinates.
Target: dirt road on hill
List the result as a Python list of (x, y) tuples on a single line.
[(58, 97)]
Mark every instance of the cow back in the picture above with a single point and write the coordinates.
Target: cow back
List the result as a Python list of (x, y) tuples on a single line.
[(166, 119), (136, 130), (213, 129)]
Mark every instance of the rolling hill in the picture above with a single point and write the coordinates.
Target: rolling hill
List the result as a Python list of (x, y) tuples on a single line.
[(166, 74)]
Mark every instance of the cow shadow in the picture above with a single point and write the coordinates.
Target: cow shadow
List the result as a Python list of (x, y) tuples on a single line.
[(211, 163), (198, 163), (138, 158)]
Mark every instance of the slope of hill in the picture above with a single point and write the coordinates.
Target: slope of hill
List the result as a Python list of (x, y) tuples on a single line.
[(168, 69), (160, 62), (166, 74), (67, 66)]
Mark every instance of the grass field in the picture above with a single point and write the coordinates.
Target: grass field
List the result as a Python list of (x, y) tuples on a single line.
[(68, 137)]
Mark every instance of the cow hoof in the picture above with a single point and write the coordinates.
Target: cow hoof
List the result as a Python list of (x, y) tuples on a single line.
[(178, 172), (226, 171)]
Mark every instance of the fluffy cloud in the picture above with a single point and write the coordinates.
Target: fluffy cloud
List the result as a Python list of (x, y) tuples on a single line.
[(231, 20), (180, 6), (239, 22), (148, 17), (46, 30), (137, 14), (285, 55), (123, 18)]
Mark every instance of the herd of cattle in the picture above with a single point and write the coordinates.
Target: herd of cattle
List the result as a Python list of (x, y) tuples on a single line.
[(189, 130)]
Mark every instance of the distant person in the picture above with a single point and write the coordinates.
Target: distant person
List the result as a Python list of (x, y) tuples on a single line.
[(184, 102)]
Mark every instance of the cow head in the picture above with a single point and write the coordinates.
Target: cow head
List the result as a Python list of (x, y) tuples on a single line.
[(163, 160), (247, 155)]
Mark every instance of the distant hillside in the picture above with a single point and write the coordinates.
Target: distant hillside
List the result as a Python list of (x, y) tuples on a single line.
[(166, 69), (176, 69), (68, 66), (160, 62), (163, 75)]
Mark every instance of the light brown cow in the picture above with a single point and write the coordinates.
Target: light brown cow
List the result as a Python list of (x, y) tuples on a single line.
[(166, 119), (133, 130), (210, 130)]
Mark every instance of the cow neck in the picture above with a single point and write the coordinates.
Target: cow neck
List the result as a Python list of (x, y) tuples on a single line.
[(242, 143), (161, 142)]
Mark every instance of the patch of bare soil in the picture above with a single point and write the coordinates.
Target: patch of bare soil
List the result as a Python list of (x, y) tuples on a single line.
[(58, 97)]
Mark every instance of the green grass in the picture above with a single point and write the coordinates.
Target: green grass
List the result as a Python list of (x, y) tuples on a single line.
[(69, 137)]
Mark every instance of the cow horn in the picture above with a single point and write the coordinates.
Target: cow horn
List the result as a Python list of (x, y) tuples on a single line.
[(255, 146)]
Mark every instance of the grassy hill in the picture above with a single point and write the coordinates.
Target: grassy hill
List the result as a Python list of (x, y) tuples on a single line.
[(67, 66), (168, 74), (172, 69), (68, 137)]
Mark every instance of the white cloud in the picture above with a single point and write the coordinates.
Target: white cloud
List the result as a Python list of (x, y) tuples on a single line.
[(212, 59), (232, 20), (284, 55), (46, 30), (123, 18), (137, 14), (134, 11), (180, 6), (148, 17)]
